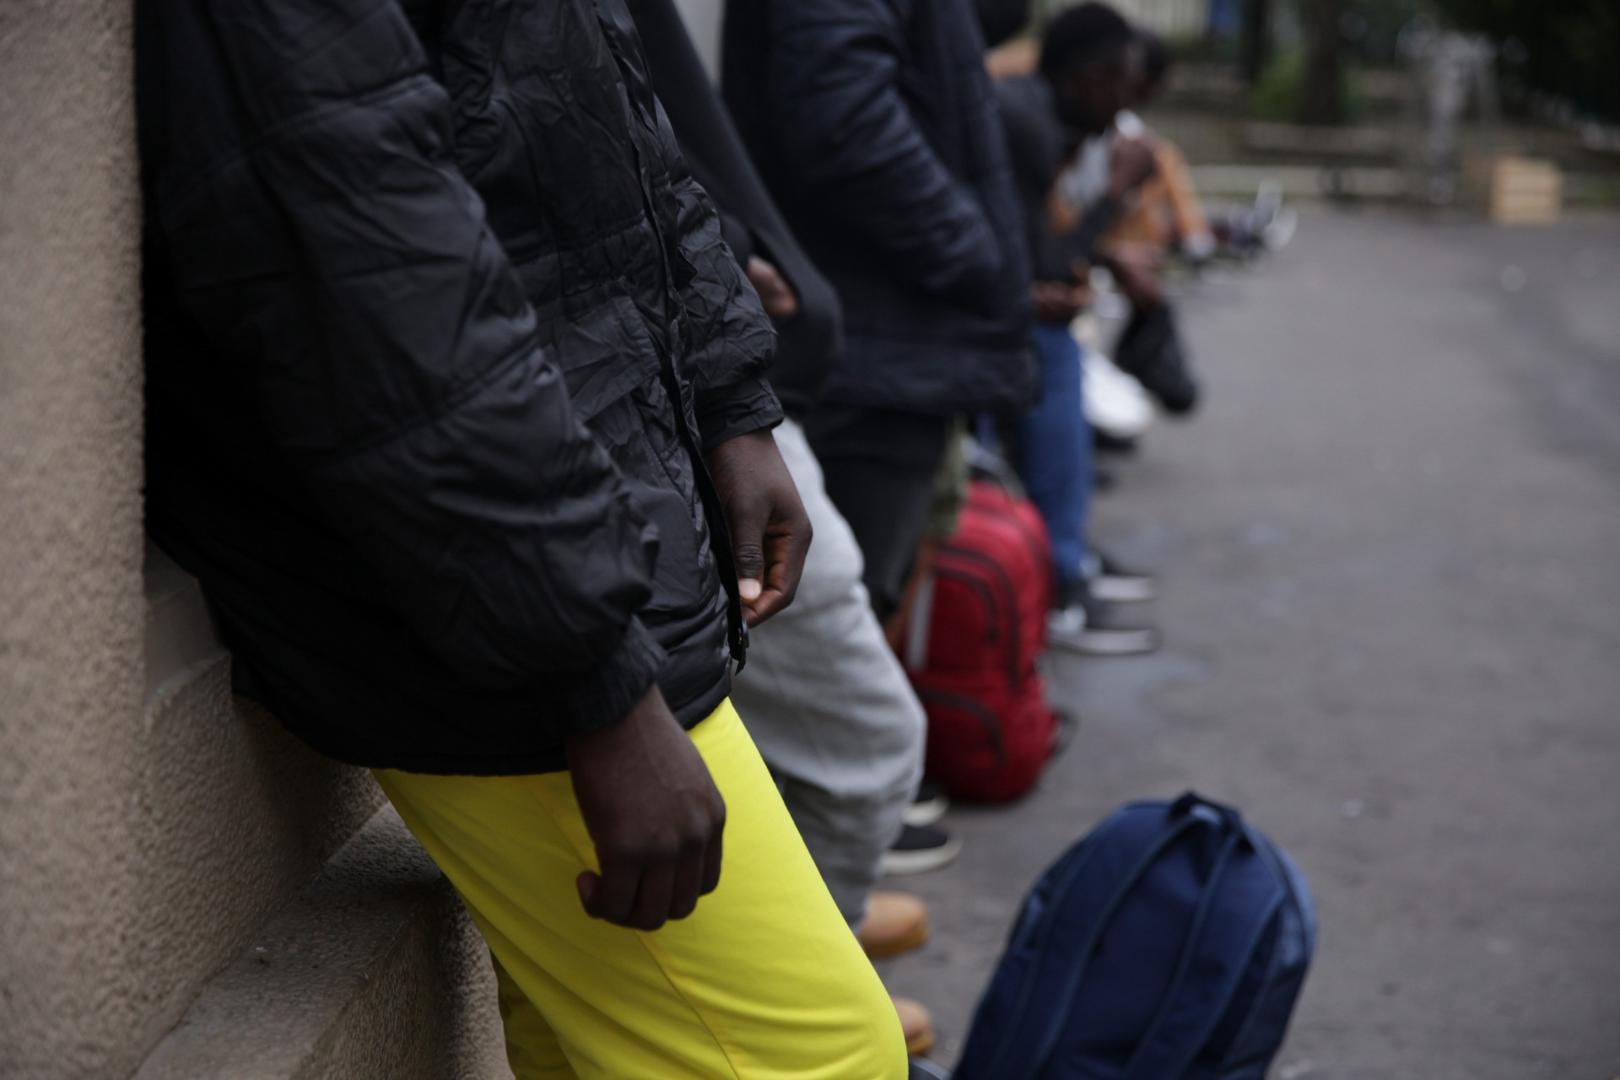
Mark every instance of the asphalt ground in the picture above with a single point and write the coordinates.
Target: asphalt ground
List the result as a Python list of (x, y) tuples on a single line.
[(1390, 559)]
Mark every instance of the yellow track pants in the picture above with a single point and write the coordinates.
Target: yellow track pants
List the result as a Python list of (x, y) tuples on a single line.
[(763, 981)]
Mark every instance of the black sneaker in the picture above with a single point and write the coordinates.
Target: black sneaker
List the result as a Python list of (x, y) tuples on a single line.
[(1090, 627), (1112, 444), (920, 848), (928, 805)]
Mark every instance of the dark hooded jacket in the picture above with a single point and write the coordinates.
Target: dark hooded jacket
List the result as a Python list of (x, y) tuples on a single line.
[(438, 327), (874, 125), (808, 344)]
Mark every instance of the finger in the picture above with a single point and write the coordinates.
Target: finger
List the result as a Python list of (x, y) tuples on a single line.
[(787, 551), (775, 295), (683, 895), (748, 557), (711, 860), (588, 883), (614, 897), (783, 305), (748, 552), (779, 301), (653, 898)]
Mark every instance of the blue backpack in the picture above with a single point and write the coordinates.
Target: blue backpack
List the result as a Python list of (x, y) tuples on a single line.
[(1168, 944)]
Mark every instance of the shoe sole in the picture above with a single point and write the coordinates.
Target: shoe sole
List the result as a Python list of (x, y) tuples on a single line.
[(920, 814), (1123, 591), (920, 1045), (901, 945), (1109, 643), (902, 863)]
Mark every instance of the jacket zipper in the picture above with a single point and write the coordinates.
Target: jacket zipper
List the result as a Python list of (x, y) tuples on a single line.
[(719, 530)]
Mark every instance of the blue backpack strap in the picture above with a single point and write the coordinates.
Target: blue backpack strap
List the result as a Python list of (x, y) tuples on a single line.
[(1226, 930), (1024, 1050), (1290, 959)]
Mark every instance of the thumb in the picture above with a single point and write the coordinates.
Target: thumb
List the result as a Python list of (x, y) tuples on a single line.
[(749, 558), (748, 548), (588, 883)]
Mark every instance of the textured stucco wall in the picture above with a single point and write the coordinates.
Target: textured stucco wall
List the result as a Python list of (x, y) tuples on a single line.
[(148, 823), (230, 816), (151, 826), (70, 527), (374, 970)]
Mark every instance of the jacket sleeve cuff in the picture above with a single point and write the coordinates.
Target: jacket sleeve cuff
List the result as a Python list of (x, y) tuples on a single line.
[(607, 693), (725, 412)]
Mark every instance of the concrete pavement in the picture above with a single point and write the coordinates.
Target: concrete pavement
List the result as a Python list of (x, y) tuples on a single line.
[(1390, 549)]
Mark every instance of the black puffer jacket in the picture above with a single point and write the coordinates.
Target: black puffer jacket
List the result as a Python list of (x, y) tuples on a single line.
[(438, 325), (874, 124), (808, 344)]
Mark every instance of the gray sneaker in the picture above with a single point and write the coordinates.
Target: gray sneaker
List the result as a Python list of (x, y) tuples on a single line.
[(1079, 628), (1113, 582)]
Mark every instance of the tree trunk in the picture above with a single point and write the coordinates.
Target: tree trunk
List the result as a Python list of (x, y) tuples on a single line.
[(1321, 99), (1255, 48)]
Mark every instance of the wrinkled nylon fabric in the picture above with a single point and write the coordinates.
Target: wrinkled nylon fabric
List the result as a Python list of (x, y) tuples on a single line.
[(875, 126), (435, 315)]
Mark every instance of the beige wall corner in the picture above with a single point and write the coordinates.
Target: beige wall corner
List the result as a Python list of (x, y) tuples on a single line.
[(70, 529), (374, 970)]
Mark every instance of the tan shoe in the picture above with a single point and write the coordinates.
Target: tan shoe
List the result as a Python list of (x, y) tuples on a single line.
[(917, 1026), (895, 923)]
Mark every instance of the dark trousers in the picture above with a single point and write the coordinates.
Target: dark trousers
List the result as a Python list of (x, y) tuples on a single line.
[(880, 466)]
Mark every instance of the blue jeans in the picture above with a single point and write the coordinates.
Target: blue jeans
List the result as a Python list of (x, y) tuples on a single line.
[(1053, 452)]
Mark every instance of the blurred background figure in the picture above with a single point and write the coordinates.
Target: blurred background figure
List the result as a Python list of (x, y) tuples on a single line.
[(1086, 72)]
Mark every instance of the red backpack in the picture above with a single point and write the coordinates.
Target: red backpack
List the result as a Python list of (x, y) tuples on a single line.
[(990, 730)]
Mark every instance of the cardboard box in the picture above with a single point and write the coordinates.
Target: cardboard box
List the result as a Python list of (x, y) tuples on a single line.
[(1524, 191)]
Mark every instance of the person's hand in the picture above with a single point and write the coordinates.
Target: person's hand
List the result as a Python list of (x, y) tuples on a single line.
[(653, 813), (1133, 160), (1057, 302), (1136, 274), (770, 532), (781, 304)]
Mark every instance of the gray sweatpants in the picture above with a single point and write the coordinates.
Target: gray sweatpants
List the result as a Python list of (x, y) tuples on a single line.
[(829, 705)]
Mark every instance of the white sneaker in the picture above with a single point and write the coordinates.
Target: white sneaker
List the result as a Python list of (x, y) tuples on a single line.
[(929, 805), (1116, 404), (1276, 235)]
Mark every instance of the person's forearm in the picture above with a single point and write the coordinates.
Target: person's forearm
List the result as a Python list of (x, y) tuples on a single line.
[(1083, 243)]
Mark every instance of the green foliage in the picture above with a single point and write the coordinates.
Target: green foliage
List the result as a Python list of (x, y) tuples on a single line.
[(1276, 94), (1280, 91)]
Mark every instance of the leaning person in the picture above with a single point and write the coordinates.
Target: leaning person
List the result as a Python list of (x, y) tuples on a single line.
[(456, 409)]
